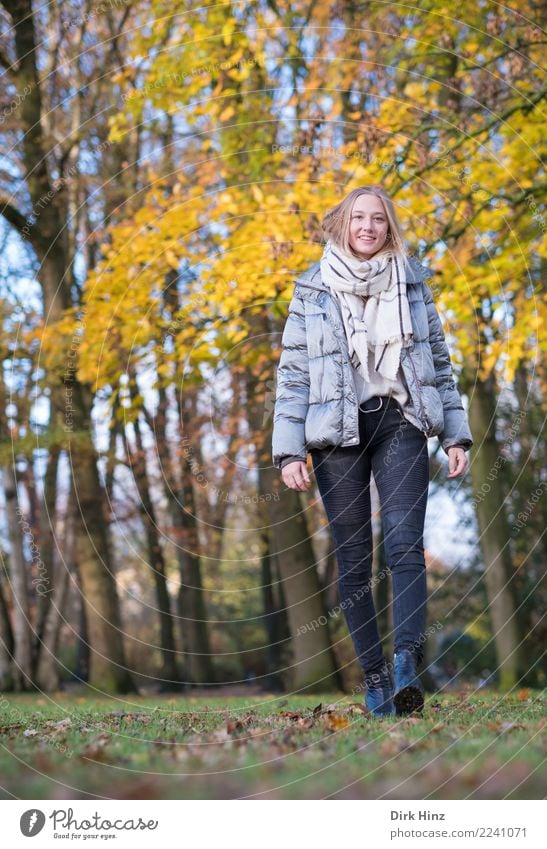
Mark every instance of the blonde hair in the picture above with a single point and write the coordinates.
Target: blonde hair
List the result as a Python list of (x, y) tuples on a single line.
[(336, 221)]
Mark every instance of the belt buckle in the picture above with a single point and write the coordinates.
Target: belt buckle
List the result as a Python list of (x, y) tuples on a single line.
[(375, 409)]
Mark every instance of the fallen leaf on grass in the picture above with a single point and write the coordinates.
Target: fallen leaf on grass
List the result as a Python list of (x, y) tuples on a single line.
[(504, 727), (259, 732), (60, 725), (298, 720), (398, 742), (221, 736), (96, 753), (305, 723), (284, 744), (335, 721), (94, 750), (117, 715), (357, 707), (334, 717), (411, 720), (237, 725), (511, 726)]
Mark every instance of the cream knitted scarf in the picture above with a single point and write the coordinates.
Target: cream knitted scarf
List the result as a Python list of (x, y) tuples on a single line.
[(382, 323)]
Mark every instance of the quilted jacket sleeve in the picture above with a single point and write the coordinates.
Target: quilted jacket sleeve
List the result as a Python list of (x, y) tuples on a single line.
[(292, 388), (456, 428), (286, 460)]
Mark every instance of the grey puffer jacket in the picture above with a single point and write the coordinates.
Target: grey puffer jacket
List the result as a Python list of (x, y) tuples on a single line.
[(316, 402)]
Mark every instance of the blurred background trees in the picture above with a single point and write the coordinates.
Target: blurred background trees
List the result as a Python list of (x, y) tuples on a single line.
[(164, 171)]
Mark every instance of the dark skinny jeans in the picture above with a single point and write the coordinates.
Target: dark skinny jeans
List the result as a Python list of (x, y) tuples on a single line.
[(396, 453)]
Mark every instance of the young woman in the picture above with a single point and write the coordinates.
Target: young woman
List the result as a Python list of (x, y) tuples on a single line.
[(363, 380)]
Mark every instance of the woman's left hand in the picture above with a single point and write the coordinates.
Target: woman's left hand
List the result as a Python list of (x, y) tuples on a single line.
[(457, 462)]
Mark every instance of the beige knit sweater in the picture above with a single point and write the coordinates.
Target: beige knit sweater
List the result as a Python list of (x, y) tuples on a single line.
[(379, 385)]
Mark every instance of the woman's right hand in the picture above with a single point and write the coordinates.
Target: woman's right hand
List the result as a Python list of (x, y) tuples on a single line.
[(295, 475)]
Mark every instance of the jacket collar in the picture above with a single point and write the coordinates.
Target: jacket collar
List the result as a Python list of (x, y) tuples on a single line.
[(310, 279)]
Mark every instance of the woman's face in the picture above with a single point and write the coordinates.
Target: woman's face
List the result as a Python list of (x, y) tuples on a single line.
[(368, 226)]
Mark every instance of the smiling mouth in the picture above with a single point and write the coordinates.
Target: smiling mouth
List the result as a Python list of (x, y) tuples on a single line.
[(367, 238)]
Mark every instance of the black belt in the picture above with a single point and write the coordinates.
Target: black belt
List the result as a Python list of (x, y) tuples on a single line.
[(375, 403)]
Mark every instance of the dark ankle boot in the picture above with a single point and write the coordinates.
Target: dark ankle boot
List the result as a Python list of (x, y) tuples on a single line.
[(379, 692), (409, 692)]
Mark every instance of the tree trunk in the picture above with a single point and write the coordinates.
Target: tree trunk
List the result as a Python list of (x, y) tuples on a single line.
[(182, 510), (7, 644), (81, 671), (170, 676), (45, 580), (22, 667), (71, 402), (191, 597), (494, 532), (275, 622), (526, 484), (108, 671), (313, 666), (48, 673)]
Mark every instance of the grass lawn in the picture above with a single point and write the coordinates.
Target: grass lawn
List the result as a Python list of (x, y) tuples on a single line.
[(476, 745)]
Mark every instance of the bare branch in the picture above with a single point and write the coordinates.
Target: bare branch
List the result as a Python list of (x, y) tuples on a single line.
[(12, 215)]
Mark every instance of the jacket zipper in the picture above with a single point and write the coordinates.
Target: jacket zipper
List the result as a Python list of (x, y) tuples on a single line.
[(340, 342), (356, 407), (423, 416)]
